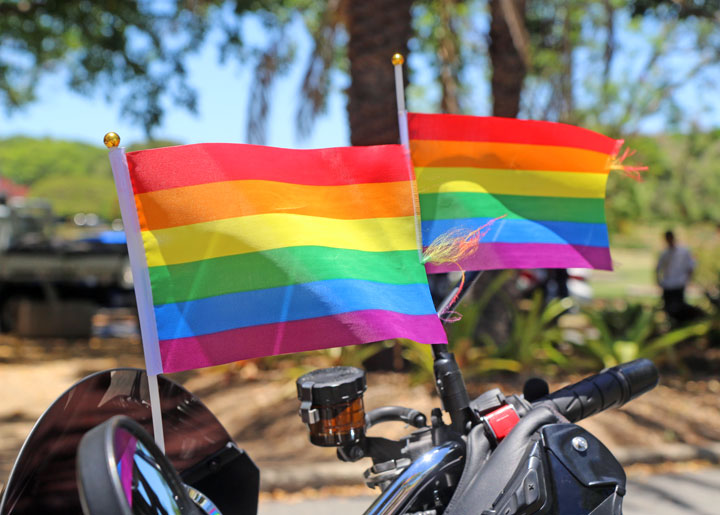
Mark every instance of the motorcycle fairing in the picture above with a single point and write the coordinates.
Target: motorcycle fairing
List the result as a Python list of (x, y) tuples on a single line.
[(537, 470), (557, 478)]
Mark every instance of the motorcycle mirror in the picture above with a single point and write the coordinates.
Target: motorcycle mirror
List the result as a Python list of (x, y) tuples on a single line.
[(120, 471)]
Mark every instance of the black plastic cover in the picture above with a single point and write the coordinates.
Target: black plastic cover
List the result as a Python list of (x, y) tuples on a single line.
[(586, 477), (228, 477), (570, 497), (330, 386), (594, 466)]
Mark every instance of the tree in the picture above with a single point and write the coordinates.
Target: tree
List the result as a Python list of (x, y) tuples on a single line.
[(27, 160), (90, 42), (359, 37), (377, 29), (509, 55), (73, 177), (614, 65), (534, 49), (93, 194)]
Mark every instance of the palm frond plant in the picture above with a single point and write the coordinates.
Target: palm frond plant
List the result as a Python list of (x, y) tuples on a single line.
[(621, 335)]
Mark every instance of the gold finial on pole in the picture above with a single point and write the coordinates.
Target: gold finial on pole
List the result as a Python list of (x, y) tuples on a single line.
[(111, 140), (398, 59)]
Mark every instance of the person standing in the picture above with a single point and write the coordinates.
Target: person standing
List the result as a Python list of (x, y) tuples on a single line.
[(674, 270)]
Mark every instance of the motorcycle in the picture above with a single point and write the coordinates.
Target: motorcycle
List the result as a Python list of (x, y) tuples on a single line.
[(498, 455)]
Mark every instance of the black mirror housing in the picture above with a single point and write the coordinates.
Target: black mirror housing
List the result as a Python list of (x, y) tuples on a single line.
[(99, 481)]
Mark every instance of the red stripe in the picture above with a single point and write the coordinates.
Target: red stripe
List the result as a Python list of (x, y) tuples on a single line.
[(298, 336), (190, 165), (454, 127)]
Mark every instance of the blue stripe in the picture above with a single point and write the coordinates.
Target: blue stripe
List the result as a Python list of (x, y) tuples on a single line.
[(296, 302), (523, 231)]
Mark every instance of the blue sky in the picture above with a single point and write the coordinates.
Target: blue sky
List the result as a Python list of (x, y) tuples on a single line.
[(222, 103)]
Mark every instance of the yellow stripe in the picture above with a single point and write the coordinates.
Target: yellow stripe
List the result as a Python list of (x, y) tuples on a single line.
[(255, 233), (511, 182)]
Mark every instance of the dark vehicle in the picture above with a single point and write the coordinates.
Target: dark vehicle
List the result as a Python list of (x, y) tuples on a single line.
[(51, 286)]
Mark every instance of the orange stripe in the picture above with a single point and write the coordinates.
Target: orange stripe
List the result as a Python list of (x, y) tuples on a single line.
[(483, 154), (221, 200)]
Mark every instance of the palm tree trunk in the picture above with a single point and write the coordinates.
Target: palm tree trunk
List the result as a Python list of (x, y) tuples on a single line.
[(377, 29), (508, 55)]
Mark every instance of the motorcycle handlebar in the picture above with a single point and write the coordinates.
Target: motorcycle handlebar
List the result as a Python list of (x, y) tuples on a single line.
[(611, 388)]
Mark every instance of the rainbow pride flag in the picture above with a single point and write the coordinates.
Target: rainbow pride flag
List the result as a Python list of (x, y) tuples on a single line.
[(546, 180), (254, 251)]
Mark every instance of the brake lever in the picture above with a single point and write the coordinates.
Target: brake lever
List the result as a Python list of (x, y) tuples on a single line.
[(409, 416)]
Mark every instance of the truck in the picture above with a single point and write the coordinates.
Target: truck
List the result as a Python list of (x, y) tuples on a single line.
[(50, 286)]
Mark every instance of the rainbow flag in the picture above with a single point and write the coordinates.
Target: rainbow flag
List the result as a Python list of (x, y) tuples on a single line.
[(254, 251), (546, 180)]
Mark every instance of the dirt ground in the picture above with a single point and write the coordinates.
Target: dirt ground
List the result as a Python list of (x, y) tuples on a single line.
[(259, 408)]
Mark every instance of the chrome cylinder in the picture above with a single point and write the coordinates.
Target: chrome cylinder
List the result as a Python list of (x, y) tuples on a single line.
[(422, 472)]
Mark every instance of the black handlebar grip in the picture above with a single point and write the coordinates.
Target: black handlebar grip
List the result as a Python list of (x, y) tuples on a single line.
[(611, 388)]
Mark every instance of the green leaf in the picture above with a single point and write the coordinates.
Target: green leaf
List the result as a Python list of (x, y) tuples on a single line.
[(625, 351), (674, 337), (490, 364)]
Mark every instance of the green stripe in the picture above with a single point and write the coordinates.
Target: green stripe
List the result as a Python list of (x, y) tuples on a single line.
[(447, 206), (280, 267)]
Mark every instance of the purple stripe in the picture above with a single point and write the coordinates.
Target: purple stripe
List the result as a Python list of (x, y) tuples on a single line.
[(496, 256), (124, 448), (298, 336)]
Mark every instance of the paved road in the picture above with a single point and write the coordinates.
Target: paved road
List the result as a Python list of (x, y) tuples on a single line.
[(675, 494), (686, 494)]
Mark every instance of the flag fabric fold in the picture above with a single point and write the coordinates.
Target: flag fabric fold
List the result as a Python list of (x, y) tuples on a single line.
[(546, 180), (255, 251)]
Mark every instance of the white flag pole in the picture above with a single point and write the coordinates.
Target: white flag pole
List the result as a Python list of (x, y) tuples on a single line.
[(397, 61), (141, 279)]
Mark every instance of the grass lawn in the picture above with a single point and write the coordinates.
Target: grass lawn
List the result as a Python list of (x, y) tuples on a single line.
[(633, 276)]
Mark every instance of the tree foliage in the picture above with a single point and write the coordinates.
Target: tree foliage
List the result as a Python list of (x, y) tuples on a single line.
[(135, 47), (682, 186), (614, 66), (93, 194), (74, 177), (611, 65), (617, 65), (28, 160)]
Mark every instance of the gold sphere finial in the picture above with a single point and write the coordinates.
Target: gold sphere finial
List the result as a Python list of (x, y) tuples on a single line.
[(397, 59), (111, 140)]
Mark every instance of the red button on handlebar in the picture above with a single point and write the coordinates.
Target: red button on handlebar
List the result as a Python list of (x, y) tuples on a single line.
[(501, 421)]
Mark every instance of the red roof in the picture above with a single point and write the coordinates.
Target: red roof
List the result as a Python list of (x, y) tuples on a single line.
[(10, 189)]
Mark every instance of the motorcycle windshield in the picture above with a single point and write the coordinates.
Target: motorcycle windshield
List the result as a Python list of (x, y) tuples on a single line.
[(43, 478)]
